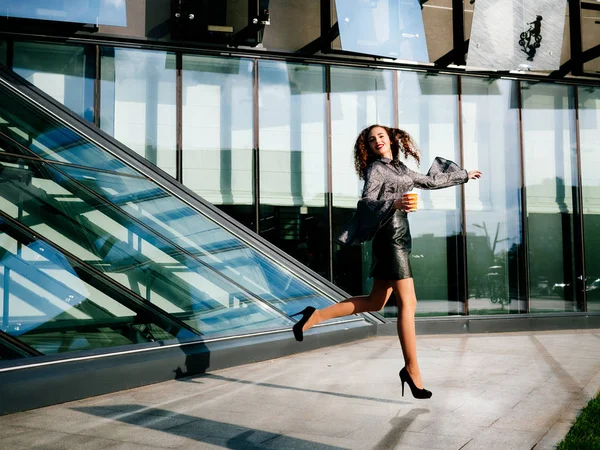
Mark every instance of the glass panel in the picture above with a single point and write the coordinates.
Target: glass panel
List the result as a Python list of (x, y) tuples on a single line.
[(138, 102), (64, 72), (550, 178), (293, 161), (437, 19), (387, 28), (207, 241), (218, 125), (491, 144), (92, 12), (428, 111), (50, 305), (48, 137), (589, 135), (61, 210), (359, 98)]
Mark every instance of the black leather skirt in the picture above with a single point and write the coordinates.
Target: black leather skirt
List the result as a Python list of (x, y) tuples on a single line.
[(392, 245)]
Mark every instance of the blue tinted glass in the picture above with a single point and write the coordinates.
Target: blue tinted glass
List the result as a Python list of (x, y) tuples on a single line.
[(97, 12), (205, 239), (52, 307), (50, 138), (107, 239), (388, 28)]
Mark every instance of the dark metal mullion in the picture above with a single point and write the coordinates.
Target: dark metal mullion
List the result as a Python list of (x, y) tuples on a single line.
[(325, 10), (179, 117), (579, 228), (575, 36), (97, 85), (101, 281), (395, 94), (255, 146), (524, 228), (462, 254), (10, 53), (458, 32), (329, 156)]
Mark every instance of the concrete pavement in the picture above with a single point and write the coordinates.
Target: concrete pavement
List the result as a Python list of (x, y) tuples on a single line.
[(490, 391)]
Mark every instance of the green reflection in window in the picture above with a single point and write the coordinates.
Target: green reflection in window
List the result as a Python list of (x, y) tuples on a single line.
[(138, 102), (589, 132), (550, 178), (491, 144), (65, 72)]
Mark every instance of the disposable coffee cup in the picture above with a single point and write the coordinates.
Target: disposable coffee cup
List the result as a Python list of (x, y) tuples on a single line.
[(410, 200)]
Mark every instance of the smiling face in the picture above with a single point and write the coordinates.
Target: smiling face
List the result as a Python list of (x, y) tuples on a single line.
[(379, 143)]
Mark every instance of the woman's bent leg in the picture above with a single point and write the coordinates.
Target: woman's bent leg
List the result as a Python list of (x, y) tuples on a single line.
[(404, 290), (376, 300)]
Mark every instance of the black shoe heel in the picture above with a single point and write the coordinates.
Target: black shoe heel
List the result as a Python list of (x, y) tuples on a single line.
[(416, 392), (297, 328)]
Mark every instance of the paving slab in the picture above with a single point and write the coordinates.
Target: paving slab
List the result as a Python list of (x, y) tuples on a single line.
[(501, 390)]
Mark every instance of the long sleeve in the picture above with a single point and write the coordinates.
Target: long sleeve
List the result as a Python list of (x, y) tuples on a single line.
[(371, 212), (442, 173)]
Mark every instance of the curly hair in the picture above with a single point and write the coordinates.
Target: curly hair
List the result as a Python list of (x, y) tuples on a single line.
[(400, 141)]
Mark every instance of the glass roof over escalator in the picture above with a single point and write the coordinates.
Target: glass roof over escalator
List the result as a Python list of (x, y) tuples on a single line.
[(95, 253)]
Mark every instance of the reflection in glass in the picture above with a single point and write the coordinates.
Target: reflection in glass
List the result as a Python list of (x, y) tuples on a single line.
[(359, 98), (428, 111), (218, 133), (50, 305), (589, 135), (138, 102), (49, 138), (491, 144), (550, 178), (293, 161), (58, 208), (65, 72)]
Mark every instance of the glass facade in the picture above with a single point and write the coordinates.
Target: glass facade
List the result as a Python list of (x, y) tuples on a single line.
[(65, 72), (3, 52), (550, 159), (293, 161), (217, 128), (490, 125), (271, 144), (95, 255), (138, 102), (589, 136), (359, 98), (428, 111)]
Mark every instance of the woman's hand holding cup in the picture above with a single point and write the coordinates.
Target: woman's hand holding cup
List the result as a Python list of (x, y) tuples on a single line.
[(408, 202)]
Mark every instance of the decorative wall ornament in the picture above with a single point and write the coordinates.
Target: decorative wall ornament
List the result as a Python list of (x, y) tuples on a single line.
[(517, 34)]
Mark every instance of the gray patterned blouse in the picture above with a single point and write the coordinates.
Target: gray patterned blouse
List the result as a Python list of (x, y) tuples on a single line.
[(385, 182)]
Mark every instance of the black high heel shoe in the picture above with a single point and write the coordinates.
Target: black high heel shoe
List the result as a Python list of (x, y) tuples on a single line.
[(416, 392), (297, 328)]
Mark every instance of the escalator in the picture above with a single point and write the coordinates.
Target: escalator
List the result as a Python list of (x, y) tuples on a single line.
[(103, 255)]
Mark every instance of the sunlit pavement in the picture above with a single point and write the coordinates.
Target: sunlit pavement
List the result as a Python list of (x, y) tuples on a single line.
[(490, 391)]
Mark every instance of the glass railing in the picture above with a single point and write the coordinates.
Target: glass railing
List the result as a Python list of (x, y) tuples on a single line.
[(85, 210)]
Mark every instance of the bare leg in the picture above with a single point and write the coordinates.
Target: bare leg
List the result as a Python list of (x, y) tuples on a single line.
[(404, 290), (376, 300)]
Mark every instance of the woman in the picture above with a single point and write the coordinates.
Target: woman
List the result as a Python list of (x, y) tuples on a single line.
[(382, 216)]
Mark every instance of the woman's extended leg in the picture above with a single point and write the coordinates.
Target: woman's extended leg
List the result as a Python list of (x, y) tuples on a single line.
[(404, 290), (376, 300)]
